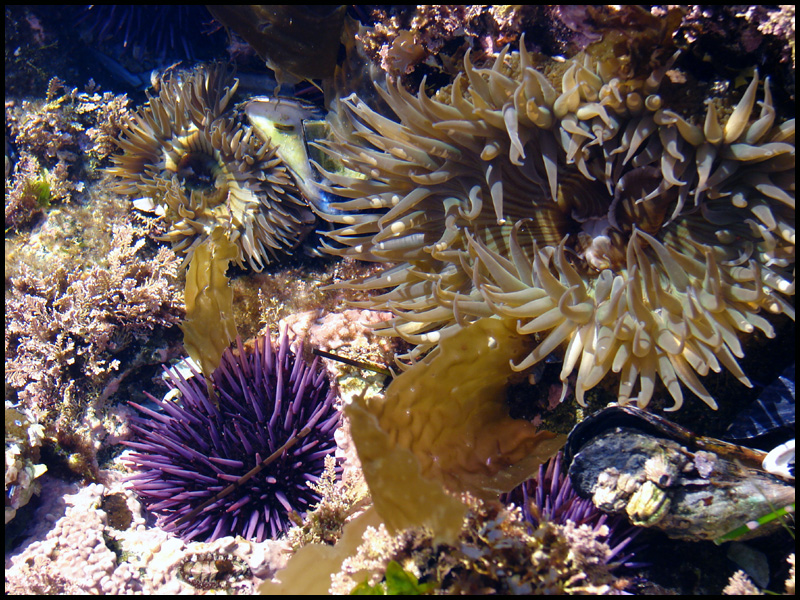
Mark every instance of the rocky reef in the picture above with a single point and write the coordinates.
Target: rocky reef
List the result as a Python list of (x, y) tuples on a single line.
[(480, 224)]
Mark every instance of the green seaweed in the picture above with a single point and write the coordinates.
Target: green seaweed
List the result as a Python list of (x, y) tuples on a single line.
[(40, 190), (398, 582)]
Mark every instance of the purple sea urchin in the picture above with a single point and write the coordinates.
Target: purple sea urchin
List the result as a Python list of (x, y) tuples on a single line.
[(205, 170), (637, 236), (191, 450), (550, 497), (177, 31)]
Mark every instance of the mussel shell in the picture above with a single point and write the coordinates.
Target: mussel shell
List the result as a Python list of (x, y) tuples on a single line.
[(646, 422), (661, 475), (770, 418)]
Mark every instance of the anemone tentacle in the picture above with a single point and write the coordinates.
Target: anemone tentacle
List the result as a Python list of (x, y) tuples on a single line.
[(203, 169), (637, 239)]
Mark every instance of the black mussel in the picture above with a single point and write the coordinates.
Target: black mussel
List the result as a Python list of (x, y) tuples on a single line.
[(770, 419)]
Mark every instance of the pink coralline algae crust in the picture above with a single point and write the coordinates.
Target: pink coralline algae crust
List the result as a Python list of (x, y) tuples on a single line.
[(347, 333), (73, 557), (75, 550)]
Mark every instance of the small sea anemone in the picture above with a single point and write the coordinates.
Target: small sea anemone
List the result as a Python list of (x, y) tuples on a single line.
[(194, 448), (643, 240), (202, 169)]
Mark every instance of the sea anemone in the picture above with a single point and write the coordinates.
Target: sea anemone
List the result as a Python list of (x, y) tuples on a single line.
[(202, 170), (639, 237), (192, 449)]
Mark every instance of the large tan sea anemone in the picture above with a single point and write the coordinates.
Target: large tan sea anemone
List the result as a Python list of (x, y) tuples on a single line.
[(204, 170), (637, 236)]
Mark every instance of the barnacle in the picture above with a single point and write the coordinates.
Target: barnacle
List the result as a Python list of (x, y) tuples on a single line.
[(641, 240), (204, 170)]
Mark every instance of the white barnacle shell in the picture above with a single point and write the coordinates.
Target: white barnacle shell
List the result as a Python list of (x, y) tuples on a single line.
[(780, 460)]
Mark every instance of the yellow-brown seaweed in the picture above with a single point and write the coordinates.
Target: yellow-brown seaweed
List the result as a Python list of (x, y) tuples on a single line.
[(295, 41), (209, 327), (445, 422)]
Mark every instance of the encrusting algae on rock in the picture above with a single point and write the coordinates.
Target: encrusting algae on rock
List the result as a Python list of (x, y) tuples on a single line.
[(495, 552)]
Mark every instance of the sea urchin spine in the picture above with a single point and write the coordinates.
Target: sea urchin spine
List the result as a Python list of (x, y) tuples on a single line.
[(193, 449), (551, 497)]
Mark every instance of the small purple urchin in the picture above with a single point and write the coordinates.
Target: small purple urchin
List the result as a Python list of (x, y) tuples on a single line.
[(551, 497), (191, 450)]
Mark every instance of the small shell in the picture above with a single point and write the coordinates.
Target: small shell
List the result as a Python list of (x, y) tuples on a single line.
[(213, 570), (780, 460)]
